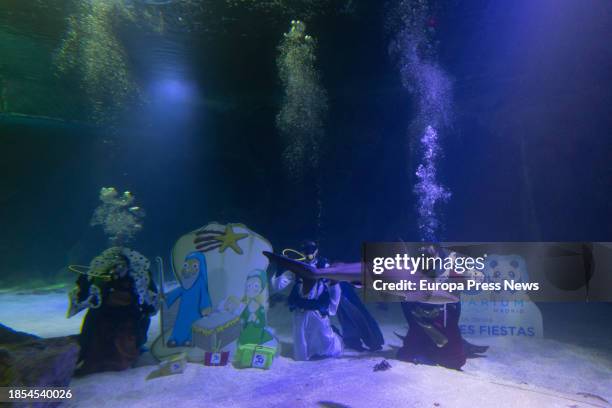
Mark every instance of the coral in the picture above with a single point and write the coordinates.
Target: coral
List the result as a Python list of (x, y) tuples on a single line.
[(304, 106), (117, 217)]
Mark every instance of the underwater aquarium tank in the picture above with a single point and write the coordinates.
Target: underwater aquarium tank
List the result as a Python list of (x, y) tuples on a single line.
[(306, 203)]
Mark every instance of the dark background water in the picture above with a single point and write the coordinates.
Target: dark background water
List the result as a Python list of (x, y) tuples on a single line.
[(528, 157)]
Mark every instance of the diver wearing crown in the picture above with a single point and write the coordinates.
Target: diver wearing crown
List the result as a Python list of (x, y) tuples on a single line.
[(120, 297)]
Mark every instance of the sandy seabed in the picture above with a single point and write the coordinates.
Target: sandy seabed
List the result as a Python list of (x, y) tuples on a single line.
[(516, 372)]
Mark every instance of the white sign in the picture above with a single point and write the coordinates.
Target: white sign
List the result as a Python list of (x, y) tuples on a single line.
[(497, 317)]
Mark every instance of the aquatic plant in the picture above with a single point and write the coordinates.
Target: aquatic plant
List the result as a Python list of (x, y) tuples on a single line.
[(119, 219), (304, 106), (414, 46)]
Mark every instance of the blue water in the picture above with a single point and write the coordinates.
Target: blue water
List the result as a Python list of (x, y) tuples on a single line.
[(526, 155)]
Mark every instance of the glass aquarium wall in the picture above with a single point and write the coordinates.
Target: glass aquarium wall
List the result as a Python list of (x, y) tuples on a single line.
[(298, 118)]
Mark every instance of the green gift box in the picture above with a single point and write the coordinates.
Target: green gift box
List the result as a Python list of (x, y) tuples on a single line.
[(254, 355)]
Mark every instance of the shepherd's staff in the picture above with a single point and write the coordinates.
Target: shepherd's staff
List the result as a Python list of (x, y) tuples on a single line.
[(160, 269)]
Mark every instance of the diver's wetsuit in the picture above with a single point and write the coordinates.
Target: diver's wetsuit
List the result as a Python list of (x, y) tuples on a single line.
[(359, 328)]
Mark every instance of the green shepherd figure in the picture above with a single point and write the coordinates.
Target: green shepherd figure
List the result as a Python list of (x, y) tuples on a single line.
[(253, 316)]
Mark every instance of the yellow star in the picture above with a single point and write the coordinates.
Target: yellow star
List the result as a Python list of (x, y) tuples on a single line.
[(230, 239)]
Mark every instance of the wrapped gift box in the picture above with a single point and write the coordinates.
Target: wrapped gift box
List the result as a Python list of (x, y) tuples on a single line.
[(215, 331), (254, 355), (216, 358)]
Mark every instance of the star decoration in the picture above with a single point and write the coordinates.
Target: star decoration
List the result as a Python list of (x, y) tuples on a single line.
[(230, 239)]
